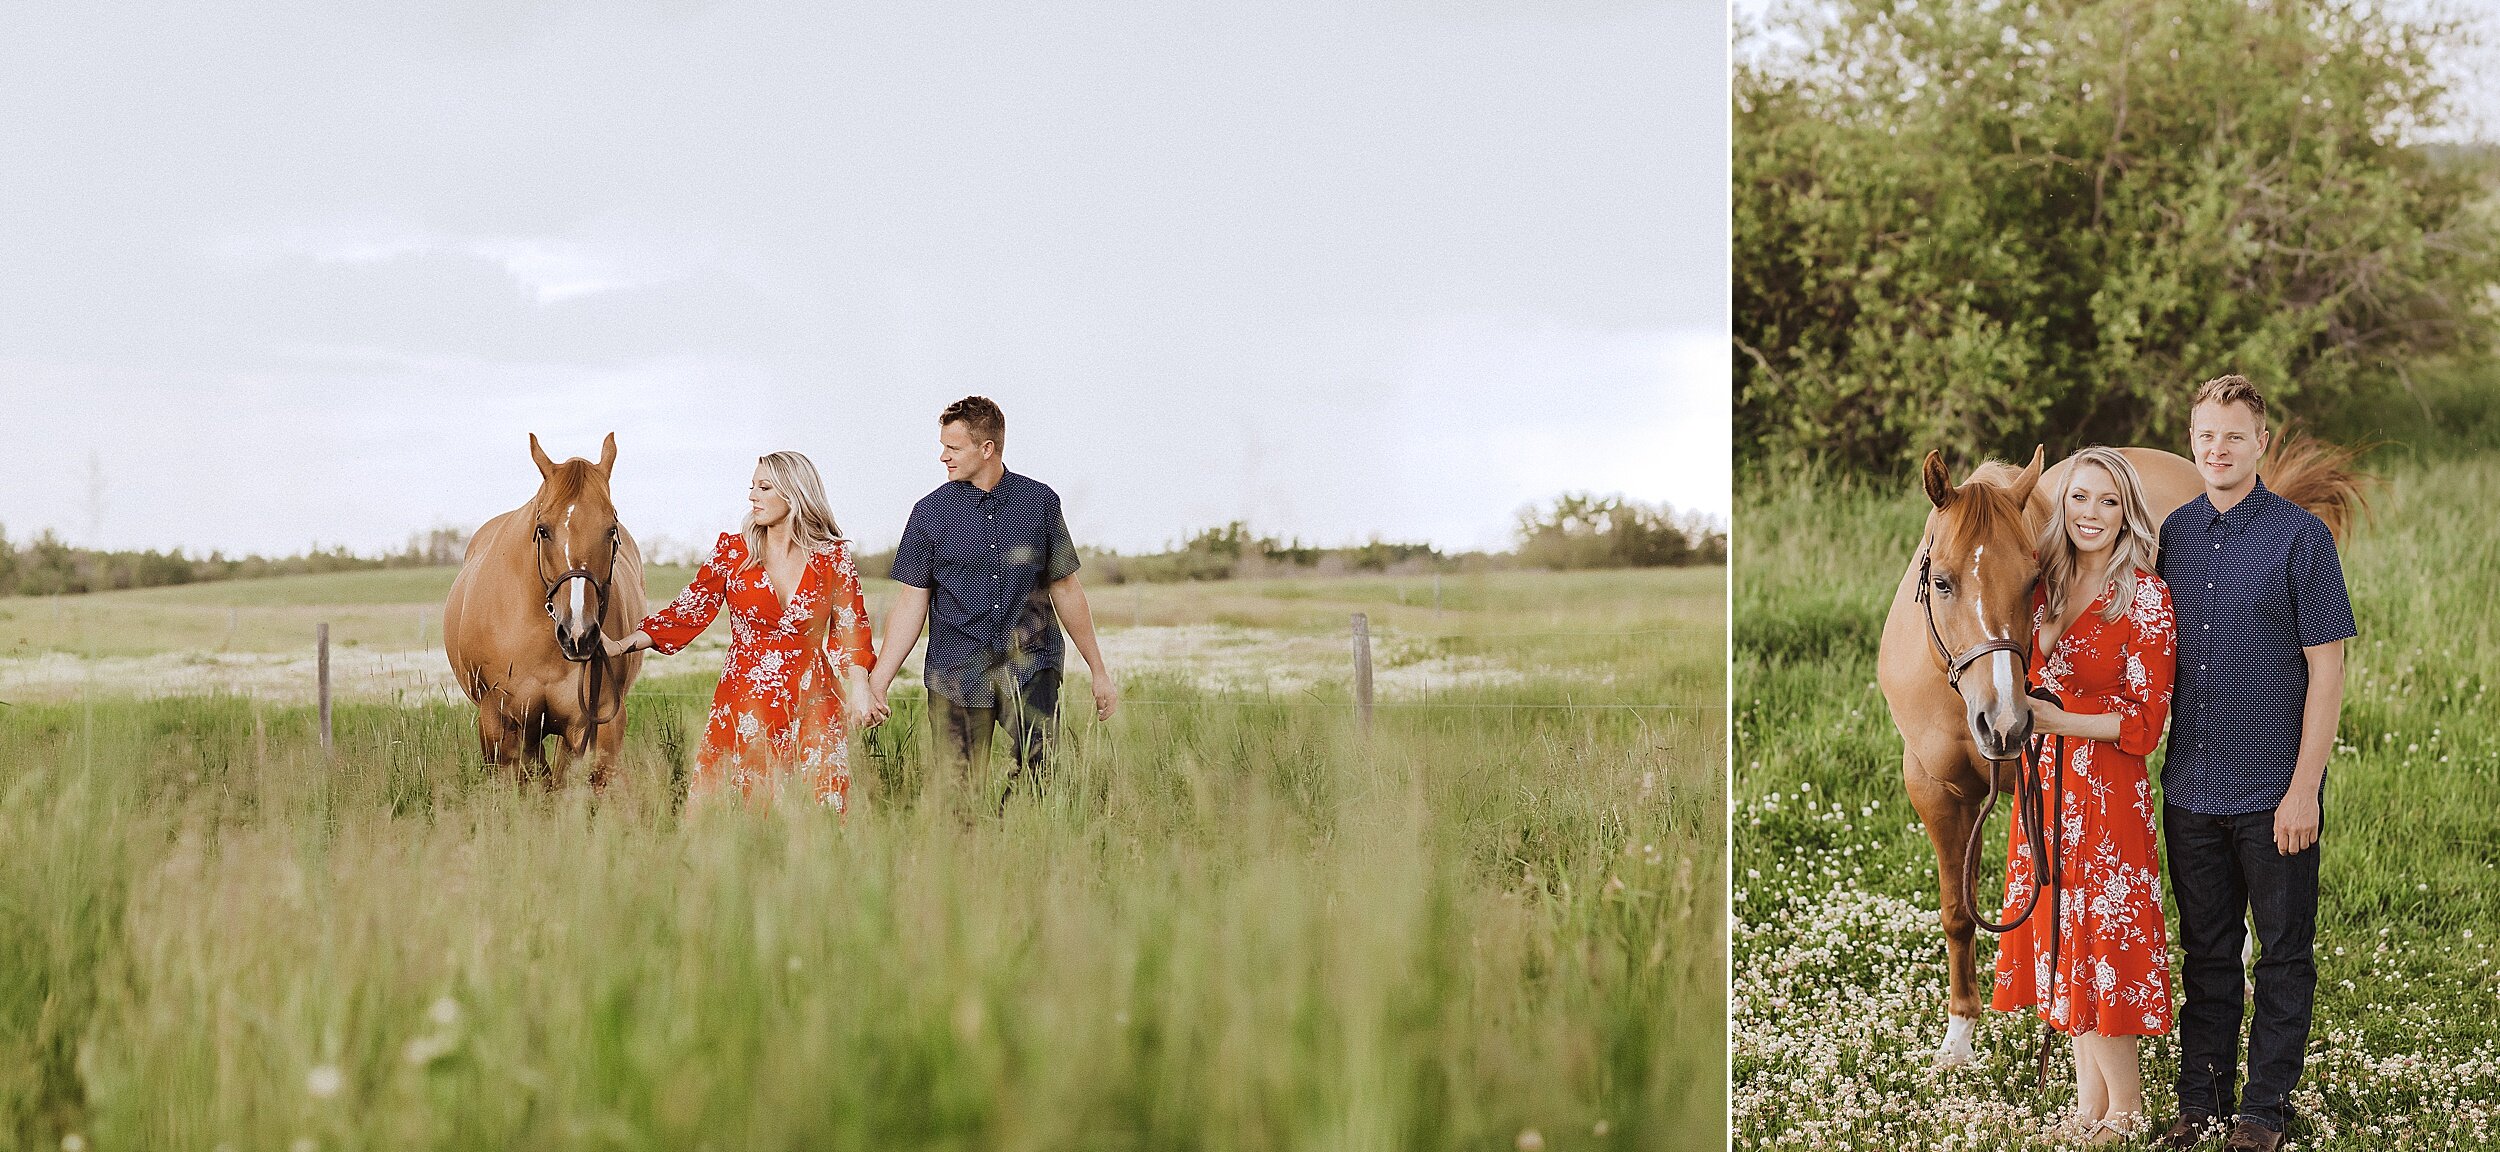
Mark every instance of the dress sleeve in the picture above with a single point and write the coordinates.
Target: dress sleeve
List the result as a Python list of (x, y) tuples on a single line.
[(675, 626), (2152, 655), (846, 641)]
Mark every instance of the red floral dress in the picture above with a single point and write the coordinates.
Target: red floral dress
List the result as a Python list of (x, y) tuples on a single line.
[(2113, 963), (779, 704)]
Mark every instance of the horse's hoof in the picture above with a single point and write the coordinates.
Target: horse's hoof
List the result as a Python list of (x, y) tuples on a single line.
[(1956, 1050)]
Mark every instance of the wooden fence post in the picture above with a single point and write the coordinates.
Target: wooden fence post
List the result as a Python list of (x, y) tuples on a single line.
[(1363, 673), (321, 640)]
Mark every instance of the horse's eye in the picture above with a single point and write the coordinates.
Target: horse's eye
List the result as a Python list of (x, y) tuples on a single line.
[(1943, 586), (542, 532)]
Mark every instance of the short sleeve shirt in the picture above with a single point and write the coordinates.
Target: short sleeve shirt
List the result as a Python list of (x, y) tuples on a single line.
[(2250, 588), (988, 560)]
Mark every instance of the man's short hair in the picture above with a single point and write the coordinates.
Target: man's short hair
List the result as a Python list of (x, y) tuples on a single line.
[(981, 415), (2233, 389)]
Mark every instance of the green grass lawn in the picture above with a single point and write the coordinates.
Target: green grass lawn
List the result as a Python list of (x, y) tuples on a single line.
[(1839, 996), (1233, 924)]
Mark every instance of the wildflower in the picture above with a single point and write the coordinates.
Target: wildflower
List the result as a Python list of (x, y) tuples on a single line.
[(1530, 1140), (324, 1081), (445, 1012)]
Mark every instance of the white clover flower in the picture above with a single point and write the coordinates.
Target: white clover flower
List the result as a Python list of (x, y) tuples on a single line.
[(324, 1081)]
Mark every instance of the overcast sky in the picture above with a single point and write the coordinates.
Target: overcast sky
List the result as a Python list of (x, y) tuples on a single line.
[(310, 272)]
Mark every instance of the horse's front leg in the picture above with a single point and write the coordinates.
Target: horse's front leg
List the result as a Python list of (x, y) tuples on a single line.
[(1949, 818)]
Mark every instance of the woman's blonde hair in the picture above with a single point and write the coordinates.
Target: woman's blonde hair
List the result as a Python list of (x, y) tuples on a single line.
[(2138, 546), (811, 520)]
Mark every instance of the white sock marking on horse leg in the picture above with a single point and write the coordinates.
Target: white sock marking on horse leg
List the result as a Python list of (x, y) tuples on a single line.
[(1956, 1048)]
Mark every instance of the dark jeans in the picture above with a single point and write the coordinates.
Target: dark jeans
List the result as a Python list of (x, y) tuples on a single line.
[(1030, 714), (2221, 869)]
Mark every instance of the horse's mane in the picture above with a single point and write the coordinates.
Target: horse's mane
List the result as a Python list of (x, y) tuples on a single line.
[(565, 484), (1984, 506), (2318, 476)]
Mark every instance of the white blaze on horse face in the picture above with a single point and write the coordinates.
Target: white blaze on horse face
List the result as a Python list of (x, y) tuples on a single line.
[(2004, 704), (577, 622)]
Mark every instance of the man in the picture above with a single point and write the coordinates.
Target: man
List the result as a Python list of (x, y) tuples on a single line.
[(2262, 615), (986, 561)]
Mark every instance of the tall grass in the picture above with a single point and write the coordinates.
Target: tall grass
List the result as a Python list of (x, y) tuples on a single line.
[(1839, 993), (1232, 924)]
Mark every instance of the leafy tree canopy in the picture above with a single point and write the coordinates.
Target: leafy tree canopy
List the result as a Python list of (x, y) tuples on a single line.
[(1976, 226)]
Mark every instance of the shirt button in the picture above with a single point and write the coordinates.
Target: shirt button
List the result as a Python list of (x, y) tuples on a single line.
[(2208, 585), (2206, 627)]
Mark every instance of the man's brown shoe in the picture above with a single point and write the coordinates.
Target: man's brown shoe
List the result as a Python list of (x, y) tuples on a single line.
[(2185, 1133), (2251, 1136)]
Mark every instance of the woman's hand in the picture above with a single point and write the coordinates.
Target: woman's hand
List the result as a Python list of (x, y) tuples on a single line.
[(862, 705), (616, 647), (2048, 719)]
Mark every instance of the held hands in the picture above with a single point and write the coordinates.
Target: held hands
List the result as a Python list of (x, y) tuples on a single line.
[(874, 710)]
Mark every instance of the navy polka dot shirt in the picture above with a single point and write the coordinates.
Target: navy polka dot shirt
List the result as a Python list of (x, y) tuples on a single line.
[(987, 559), (2251, 587)]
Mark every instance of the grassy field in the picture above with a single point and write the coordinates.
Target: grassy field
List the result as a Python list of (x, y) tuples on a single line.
[(1838, 998), (1234, 923)]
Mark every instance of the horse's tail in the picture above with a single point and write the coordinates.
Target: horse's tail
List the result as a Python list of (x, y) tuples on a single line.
[(2319, 476)]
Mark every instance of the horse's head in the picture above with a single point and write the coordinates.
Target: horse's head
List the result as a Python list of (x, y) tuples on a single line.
[(575, 537), (1977, 571)]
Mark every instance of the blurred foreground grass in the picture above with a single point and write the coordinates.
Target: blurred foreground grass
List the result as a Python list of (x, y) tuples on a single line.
[(1233, 924)]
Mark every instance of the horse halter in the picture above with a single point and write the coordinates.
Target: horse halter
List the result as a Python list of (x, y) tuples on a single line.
[(1955, 665), (599, 587), (597, 658)]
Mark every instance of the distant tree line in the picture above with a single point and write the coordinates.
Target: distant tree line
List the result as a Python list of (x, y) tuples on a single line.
[(46, 565), (1580, 530), (1977, 226), (1575, 530)]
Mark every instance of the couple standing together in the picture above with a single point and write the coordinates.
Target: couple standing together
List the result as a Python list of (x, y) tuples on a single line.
[(2239, 601), (985, 561)]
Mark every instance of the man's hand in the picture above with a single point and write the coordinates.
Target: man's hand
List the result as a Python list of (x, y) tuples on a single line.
[(2296, 822), (1106, 696), (876, 706)]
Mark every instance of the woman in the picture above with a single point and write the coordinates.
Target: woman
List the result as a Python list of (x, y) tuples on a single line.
[(2107, 647), (796, 680)]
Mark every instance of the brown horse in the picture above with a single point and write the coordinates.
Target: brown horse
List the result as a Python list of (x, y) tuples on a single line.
[(1954, 662), (540, 586)]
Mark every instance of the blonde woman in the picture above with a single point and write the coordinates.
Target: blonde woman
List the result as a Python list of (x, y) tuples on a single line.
[(796, 679), (2106, 650)]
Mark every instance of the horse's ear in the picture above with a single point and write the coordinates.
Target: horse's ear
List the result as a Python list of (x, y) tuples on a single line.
[(2030, 479), (607, 454), (1939, 484), (538, 455)]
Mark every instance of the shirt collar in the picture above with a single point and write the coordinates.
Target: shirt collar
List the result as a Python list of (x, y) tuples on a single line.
[(2246, 509), (996, 492)]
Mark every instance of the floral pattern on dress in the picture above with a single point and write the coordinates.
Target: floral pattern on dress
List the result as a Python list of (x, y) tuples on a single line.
[(2113, 964), (778, 708)]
